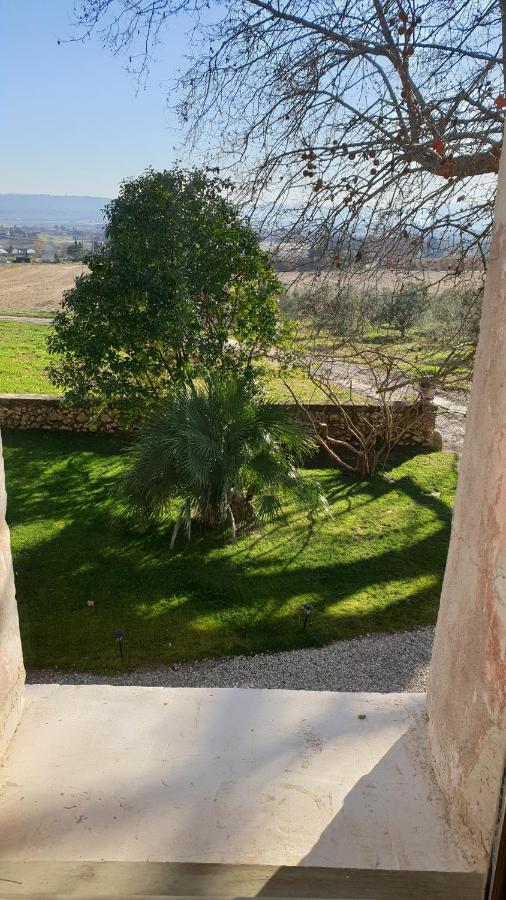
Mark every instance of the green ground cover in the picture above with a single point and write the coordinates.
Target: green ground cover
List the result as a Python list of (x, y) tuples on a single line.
[(414, 349), (24, 359), (376, 566), (277, 385)]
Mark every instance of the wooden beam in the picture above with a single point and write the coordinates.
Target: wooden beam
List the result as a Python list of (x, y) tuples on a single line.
[(129, 880)]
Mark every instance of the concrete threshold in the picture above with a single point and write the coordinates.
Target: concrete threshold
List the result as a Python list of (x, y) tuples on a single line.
[(231, 776)]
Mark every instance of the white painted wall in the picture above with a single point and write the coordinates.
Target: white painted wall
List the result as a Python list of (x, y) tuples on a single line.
[(12, 673), (467, 686)]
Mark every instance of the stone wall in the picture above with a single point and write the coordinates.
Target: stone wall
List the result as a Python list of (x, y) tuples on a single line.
[(48, 412), (411, 423), (12, 673), (416, 423)]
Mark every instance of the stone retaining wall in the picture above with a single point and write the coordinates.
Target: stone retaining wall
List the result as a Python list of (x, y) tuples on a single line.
[(411, 423), (415, 422), (50, 413)]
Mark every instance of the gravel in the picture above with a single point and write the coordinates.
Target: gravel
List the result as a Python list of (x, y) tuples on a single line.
[(452, 426), (377, 662)]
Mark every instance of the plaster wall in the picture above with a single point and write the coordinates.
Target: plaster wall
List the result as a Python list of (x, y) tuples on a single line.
[(12, 673), (467, 685)]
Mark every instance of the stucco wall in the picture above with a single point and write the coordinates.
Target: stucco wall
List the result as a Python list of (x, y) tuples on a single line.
[(467, 687), (12, 673)]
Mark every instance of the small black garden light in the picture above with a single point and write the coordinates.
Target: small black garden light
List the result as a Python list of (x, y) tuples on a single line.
[(118, 636), (308, 609)]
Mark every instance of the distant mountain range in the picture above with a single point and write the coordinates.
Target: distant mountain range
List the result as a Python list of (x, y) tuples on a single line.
[(49, 209)]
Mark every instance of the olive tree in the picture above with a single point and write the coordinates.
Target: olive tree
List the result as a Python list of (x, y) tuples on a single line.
[(403, 307)]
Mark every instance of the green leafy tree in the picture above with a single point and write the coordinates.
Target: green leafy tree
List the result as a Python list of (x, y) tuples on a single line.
[(181, 289), (453, 316), (75, 250), (402, 308), (223, 452)]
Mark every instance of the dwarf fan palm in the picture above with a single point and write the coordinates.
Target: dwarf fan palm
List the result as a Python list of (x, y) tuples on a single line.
[(223, 451)]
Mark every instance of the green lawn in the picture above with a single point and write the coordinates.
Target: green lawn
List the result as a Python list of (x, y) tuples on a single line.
[(23, 359), (276, 386), (376, 566)]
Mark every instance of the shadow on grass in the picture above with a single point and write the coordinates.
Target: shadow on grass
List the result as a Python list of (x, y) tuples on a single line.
[(209, 598), (191, 605), (380, 339), (56, 474)]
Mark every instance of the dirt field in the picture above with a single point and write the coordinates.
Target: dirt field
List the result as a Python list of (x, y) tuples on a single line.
[(379, 278), (36, 288)]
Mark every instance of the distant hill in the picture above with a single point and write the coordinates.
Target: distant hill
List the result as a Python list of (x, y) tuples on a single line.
[(49, 209)]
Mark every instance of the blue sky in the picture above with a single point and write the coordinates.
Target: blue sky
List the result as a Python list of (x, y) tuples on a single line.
[(72, 119)]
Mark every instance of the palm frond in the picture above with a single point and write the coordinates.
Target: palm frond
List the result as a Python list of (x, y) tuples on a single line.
[(209, 444), (268, 507)]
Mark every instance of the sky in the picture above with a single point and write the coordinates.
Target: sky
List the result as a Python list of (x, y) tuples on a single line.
[(73, 120)]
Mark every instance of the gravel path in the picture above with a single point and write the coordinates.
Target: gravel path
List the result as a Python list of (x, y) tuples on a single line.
[(27, 320), (378, 662), (452, 405)]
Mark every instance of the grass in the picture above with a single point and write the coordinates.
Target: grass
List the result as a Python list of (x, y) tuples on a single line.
[(377, 566), (415, 350), (23, 359), (301, 385)]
